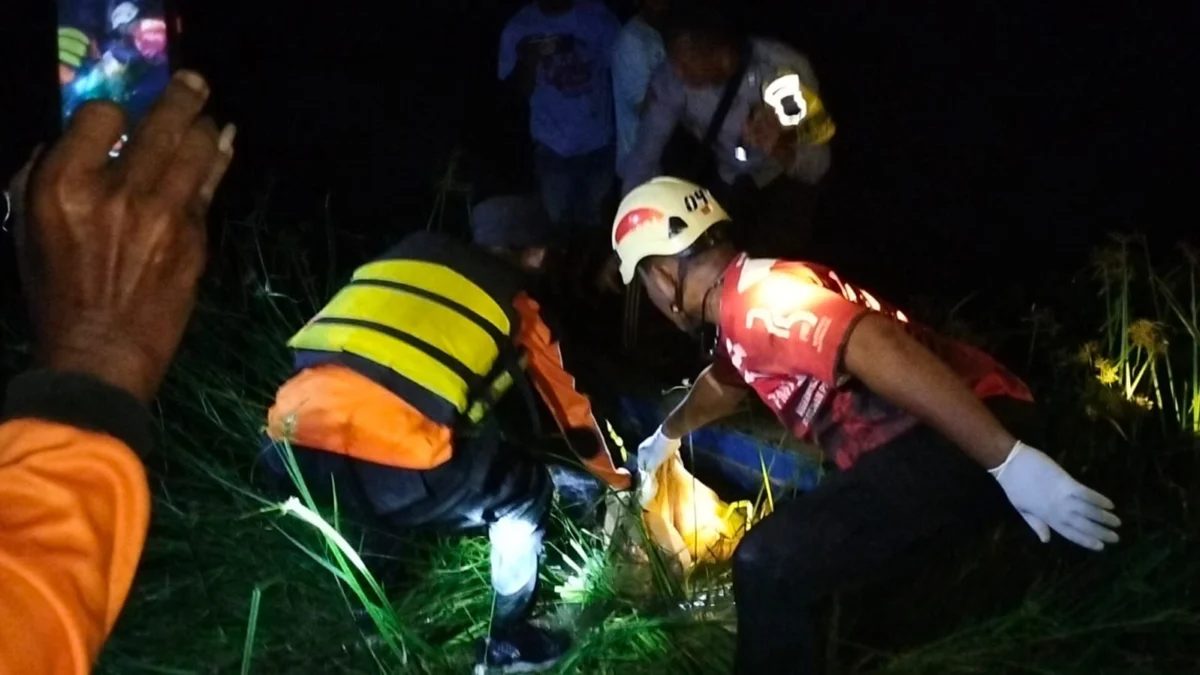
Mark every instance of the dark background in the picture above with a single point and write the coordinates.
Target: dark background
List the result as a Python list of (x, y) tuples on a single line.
[(979, 145)]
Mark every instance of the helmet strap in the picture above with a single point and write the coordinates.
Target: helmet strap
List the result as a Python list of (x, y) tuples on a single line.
[(692, 326)]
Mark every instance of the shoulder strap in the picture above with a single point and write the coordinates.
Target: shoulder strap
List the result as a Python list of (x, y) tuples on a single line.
[(731, 90)]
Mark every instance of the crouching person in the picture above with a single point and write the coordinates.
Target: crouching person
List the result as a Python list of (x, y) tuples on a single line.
[(392, 405)]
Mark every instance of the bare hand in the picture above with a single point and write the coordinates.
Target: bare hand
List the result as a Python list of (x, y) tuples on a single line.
[(763, 130), (111, 251), (609, 277)]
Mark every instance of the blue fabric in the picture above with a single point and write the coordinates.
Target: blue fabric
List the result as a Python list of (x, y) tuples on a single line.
[(571, 105), (741, 457), (638, 52), (573, 189)]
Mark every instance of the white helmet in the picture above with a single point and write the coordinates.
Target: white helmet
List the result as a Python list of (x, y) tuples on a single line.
[(663, 216), (123, 14)]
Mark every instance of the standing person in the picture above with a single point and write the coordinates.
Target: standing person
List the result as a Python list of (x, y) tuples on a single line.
[(558, 54), (392, 401), (109, 255), (921, 426), (638, 52), (770, 150)]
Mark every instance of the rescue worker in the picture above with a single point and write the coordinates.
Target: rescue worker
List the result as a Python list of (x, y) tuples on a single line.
[(926, 430), (109, 255), (770, 145), (396, 378)]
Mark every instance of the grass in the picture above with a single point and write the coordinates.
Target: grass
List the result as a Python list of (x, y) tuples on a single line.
[(234, 581)]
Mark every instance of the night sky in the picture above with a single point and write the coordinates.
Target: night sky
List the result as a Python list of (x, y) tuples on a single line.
[(978, 145)]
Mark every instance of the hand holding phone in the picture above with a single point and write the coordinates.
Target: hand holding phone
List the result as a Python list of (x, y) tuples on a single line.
[(115, 51)]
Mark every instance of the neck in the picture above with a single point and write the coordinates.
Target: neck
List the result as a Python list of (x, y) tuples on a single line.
[(702, 297)]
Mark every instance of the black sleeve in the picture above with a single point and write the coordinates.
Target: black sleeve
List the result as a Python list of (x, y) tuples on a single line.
[(81, 401)]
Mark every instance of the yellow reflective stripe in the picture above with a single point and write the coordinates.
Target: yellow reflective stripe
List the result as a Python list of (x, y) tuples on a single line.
[(409, 361), (440, 280), (427, 320), (498, 387)]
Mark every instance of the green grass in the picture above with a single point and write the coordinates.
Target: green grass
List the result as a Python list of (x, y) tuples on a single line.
[(233, 582)]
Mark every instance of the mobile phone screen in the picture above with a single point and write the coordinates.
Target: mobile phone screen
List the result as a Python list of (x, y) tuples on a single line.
[(114, 50)]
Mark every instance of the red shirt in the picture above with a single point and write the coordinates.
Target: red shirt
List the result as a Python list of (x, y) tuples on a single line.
[(783, 329)]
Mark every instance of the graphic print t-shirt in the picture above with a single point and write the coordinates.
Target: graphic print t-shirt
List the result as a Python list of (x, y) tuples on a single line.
[(783, 330), (571, 108)]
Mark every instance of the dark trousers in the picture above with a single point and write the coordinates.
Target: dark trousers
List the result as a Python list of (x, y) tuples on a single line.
[(486, 484), (898, 506)]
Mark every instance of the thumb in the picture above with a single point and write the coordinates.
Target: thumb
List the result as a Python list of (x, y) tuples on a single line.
[(1039, 526)]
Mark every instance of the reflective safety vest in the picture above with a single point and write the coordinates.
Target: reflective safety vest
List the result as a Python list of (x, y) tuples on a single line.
[(432, 320)]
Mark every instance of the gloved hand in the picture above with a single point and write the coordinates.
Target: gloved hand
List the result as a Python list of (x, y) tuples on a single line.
[(651, 454), (1048, 498)]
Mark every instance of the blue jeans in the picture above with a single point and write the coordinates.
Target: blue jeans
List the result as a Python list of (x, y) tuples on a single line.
[(573, 189)]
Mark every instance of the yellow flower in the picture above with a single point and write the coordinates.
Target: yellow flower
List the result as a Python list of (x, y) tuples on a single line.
[(1148, 335), (1143, 402), (1106, 371)]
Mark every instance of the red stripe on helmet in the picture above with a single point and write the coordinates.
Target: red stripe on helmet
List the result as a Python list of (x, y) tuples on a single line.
[(635, 219)]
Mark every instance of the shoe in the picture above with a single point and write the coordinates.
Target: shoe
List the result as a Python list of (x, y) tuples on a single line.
[(520, 648)]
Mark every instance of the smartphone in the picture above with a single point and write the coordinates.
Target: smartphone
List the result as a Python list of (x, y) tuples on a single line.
[(116, 50)]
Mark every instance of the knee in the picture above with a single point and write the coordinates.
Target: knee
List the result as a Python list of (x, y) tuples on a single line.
[(768, 555), (754, 557)]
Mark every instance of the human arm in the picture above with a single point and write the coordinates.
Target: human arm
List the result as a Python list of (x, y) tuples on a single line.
[(711, 398), (571, 409), (76, 509), (716, 394), (519, 59), (108, 253), (664, 104), (631, 71), (881, 354)]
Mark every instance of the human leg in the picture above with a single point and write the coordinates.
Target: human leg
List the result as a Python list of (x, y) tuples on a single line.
[(513, 501), (899, 505), (593, 181), (554, 183)]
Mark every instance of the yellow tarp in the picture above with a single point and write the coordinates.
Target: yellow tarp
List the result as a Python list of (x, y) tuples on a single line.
[(688, 521)]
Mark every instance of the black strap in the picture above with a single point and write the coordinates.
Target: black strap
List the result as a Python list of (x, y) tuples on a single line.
[(731, 90), (452, 363), (487, 326)]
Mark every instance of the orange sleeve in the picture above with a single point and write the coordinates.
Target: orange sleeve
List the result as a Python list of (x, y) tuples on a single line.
[(570, 408), (74, 508)]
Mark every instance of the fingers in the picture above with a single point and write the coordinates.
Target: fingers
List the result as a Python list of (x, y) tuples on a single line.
[(1096, 515), (1092, 530), (190, 168), (1080, 538), (1092, 497), (1039, 527), (220, 165), (154, 143), (94, 129)]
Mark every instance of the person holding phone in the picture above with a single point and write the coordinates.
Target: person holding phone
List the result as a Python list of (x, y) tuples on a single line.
[(109, 254), (557, 53)]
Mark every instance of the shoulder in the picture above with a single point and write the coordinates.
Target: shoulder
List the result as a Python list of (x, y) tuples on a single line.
[(522, 20), (595, 8), (774, 54)]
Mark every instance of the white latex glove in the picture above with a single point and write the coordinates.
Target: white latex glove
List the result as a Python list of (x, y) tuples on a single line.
[(652, 453), (1048, 498)]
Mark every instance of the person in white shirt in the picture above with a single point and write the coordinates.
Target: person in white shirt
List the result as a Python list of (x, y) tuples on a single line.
[(639, 50)]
